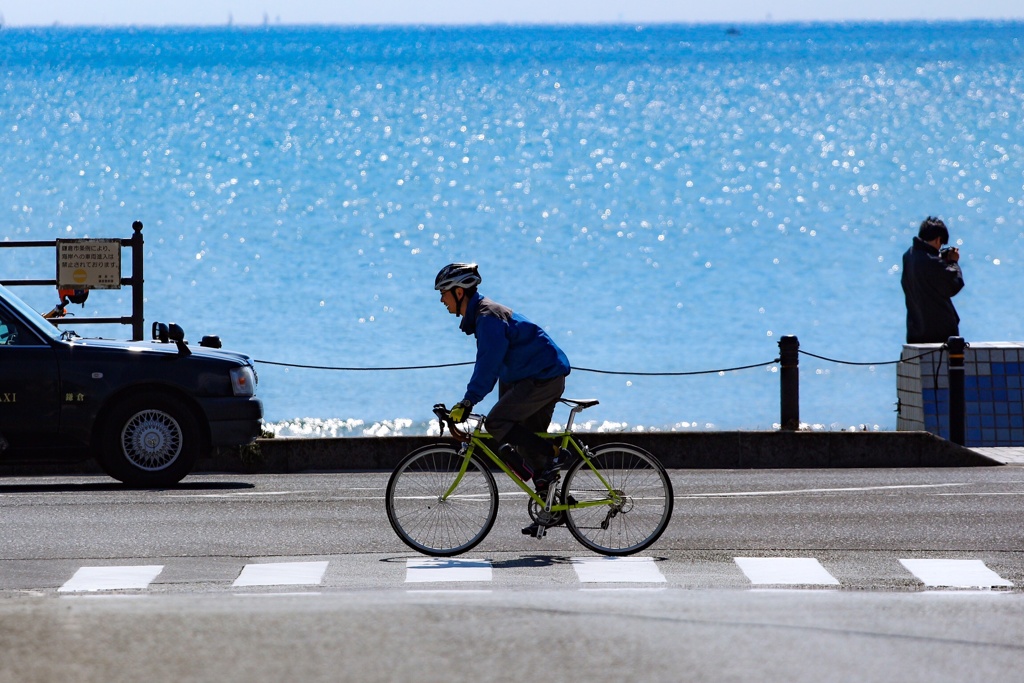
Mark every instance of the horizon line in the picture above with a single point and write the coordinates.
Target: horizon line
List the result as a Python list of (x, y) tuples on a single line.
[(636, 25)]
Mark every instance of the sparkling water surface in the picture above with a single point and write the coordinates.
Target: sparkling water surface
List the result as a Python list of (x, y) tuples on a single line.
[(661, 199)]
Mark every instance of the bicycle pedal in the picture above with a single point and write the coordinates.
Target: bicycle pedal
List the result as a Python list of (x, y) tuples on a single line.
[(536, 530)]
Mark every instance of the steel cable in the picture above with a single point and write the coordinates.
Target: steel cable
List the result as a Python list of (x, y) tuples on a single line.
[(888, 362), (454, 365), (690, 373)]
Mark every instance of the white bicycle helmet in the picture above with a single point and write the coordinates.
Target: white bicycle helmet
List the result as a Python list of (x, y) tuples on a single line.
[(453, 275)]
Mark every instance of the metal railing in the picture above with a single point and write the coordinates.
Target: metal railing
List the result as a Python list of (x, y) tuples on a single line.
[(136, 319)]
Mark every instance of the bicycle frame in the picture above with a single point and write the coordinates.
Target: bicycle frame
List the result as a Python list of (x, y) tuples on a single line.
[(477, 440)]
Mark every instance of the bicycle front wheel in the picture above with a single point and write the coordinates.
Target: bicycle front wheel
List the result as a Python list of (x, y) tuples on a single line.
[(638, 495), (428, 514)]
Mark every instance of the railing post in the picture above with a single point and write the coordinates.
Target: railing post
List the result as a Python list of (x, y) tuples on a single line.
[(789, 358), (138, 295), (955, 347)]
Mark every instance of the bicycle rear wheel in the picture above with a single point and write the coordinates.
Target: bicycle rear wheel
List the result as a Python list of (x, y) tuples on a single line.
[(641, 505), (430, 523)]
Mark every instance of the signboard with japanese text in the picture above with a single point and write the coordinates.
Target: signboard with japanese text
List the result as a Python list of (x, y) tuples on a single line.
[(89, 264)]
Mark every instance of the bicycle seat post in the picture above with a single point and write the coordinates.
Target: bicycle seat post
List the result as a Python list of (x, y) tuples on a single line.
[(576, 406), (572, 417)]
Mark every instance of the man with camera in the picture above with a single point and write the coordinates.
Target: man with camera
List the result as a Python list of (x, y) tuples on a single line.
[(931, 278)]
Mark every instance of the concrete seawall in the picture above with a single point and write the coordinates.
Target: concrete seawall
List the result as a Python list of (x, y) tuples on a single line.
[(677, 450)]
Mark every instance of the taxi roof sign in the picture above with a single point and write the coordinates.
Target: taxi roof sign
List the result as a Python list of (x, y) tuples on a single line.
[(89, 263)]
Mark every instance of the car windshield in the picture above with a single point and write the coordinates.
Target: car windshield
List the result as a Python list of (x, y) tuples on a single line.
[(30, 315)]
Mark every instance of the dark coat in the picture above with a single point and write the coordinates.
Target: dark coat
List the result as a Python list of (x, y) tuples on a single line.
[(929, 284)]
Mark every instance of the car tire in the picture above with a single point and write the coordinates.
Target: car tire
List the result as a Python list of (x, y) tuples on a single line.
[(150, 440)]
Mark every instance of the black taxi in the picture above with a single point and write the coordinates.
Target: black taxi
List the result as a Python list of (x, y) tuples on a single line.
[(145, 410)]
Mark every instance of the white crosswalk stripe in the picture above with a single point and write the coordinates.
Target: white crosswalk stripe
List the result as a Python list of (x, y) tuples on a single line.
[(282, 574), (588, 570), (442, 570), (91, 579), (954, 573), (617, 570), (785, 571)]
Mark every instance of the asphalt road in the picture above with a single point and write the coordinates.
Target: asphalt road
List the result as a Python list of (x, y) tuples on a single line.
[(795, 575)]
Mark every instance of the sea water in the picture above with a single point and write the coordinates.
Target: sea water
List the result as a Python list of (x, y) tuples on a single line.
[(661, 199)]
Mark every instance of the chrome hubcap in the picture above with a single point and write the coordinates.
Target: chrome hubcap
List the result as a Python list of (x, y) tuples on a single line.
[(151, 440)]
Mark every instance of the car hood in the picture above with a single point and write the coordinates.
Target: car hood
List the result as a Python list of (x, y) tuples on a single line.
[(157, 347)]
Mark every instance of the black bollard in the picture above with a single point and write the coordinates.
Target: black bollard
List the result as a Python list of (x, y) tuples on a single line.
[(955, 347), (789, 358), (138, 295)]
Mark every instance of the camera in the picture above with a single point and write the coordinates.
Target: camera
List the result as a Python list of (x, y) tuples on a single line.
[(947, 253)]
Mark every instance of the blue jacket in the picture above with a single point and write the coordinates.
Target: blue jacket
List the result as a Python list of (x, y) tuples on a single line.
[(509, 348)]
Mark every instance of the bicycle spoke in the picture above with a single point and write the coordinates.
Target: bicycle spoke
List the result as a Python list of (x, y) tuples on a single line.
[(639, 496), (431, 517)]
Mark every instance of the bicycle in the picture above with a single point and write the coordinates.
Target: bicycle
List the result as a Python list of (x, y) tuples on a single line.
[(615, 499)]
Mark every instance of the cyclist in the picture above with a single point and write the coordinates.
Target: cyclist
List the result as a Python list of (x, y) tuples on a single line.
[(522, 359)]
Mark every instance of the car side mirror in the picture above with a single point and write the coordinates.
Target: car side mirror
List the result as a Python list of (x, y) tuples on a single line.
[(177, 335)]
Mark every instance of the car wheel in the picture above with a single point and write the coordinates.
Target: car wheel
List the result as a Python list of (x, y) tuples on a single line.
[(150, 440)]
